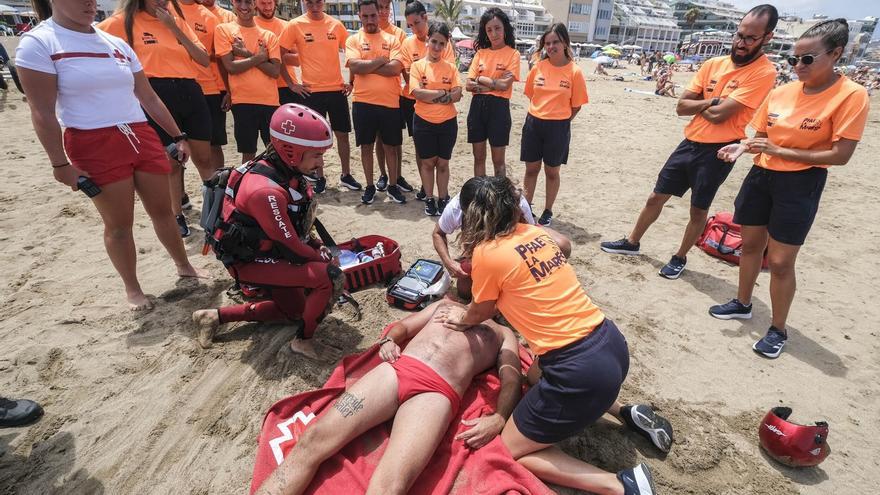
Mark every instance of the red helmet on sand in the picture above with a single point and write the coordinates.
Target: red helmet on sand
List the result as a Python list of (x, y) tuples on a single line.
[(295, 129), (793, 444)]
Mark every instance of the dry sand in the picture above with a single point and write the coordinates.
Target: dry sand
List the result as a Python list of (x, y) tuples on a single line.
[(134, 406)]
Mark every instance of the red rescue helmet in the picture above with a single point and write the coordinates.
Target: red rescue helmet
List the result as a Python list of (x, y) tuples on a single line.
[(793, 444), (295, 129)]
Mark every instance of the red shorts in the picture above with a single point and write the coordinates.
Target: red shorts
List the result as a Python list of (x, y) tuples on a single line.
[(415, 377), (110, 154)]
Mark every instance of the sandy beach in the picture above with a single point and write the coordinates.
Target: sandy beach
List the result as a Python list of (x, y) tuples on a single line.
[(133, 405)]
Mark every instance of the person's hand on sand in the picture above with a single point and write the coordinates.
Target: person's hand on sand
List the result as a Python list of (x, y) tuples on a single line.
[(731, 152), (482, 431), (389, 351), (68, 175)]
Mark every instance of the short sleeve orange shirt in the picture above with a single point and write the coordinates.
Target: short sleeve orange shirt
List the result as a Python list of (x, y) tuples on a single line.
[(412, 50), (793, 119), (493, 64), (253, 85), (277, 26), (203, 22), (222, 14), (318, 44), (535, 288), (554, 91), (155, 45), (720, 78), (373, 88), (442, 74)]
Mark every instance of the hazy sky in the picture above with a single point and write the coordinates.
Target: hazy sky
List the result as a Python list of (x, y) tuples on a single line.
[(850, 9)]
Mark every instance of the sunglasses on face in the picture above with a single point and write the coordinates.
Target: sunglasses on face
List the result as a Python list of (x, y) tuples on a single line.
[(804, 59)]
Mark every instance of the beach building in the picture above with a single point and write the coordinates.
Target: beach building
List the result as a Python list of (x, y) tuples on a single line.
[(705, 16), (587, 20), (529, 17), (645, 23)]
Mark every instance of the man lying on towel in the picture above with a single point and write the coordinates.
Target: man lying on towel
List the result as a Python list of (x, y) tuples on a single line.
[(421, 389)]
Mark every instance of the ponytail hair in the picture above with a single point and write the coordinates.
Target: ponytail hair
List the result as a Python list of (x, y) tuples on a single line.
[(414, 7), (43, 9), (439, 28), (130, 8), (833, 33)]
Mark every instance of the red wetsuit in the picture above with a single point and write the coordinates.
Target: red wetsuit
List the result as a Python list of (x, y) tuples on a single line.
[(272, 207)]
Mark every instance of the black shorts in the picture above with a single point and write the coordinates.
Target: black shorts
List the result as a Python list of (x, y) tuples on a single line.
[(187, 105), (434, 139), (370, 120), (407, 110), (333, 104), (285, 96), (489, 118), (545, 140), (579, 383), (249, 122), (218, 119), (786, 202), (694, 166)]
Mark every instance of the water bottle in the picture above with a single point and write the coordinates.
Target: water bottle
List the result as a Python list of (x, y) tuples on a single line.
[(378, 251)]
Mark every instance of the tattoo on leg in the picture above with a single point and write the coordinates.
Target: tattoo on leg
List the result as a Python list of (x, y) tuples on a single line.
[(348, 404)]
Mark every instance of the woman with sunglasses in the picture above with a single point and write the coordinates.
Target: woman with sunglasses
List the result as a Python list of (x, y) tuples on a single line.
[(803, 128)]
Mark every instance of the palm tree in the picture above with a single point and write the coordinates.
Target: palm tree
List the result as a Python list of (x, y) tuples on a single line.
[(692, 15), (448, 10)]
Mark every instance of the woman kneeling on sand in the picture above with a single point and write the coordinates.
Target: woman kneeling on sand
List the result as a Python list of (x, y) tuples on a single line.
[(98, 87)]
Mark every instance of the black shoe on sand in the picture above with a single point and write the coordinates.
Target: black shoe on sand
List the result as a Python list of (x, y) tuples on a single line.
[(18, 412), (649, 424), (637, 480)]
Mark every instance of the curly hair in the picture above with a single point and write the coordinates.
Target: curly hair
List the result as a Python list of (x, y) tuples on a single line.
[(493, 212), (482, 40)]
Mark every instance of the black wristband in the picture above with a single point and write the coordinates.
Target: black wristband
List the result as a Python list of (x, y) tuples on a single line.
[(715, 101), (384, 340), (181, 137), (65, 164)]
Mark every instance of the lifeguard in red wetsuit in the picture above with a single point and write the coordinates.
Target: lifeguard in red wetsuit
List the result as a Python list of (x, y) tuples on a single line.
[(264, 237)]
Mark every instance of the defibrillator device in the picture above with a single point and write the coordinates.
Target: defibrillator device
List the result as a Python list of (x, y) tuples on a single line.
[(423, 282)]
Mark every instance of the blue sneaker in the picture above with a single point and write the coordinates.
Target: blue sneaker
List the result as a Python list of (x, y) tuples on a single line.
[(349, 182), (621, 246), (320, 185), (673, 269), (382, 183), (637, 480), (369, 194), (649, 424), (772, 343), (731, 310)]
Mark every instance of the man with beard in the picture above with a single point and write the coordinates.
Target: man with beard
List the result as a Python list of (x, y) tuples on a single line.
[(722, 97)]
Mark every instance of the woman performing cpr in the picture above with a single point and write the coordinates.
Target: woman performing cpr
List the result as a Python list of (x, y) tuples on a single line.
[(264, 236), (520, 271)]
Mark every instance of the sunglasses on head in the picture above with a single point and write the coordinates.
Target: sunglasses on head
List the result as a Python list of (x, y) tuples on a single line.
[(804, 59)]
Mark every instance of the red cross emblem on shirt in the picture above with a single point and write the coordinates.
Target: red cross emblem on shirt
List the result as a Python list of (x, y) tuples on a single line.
[(119, 55), (288, 127)]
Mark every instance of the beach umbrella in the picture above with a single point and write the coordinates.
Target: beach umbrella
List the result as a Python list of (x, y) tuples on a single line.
[(669, 58), (468, 44), (611, 52), (604, 60), (611, 46), (6, 9), (457, 34), (596, 54)]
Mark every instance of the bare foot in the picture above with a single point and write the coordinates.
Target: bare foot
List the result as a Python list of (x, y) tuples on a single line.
[(189, 271), (314, 350), (208, 321), (137, 301)]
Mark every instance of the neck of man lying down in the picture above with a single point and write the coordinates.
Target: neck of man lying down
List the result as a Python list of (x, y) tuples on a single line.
[(456, 356)]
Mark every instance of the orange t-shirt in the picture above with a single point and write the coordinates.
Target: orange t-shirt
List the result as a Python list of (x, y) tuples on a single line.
[(793, 119), (493, 63), (719, 78), (554, 91), (203, 22), (222, 14), (253, 85), (395, 31), (318, 44), (412, 50), (155, 45), (535, 288), (442, 74), (373, 88), (277, 26)]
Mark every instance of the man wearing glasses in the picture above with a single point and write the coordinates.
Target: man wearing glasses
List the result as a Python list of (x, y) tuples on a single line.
[(722, 97)]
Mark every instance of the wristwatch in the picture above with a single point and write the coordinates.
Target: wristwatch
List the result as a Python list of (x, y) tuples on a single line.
[(715, 101), (181, 137)]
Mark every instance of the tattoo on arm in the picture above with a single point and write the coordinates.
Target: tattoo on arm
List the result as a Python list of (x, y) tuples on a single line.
[(348, 404)]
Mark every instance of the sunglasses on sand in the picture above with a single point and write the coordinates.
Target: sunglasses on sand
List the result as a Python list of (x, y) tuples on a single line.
[(804, 59)]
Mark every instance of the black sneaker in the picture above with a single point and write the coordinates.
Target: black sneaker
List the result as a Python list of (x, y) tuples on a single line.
[(420, 196), (441, 204), (368, 195), (649, 424), (181, 224), (320, 185), (637, 480), (430, 207), (772, 343), (404, 185), (546, 218), (382, 183), (673, 269), (18, 412), (622, 246), (349, 182), (185, 203), (730, 310), (394, 193)]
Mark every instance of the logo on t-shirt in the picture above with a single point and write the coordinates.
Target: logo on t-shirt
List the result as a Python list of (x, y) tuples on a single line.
[(446, 80), (385, 46), (120, 57), (539, 81), (564, 84), (331, 36), (711, 87), (733, 85), (365, 46), (423, 81), (148, 39), (535, 252), (500, 66), (771, 119), (308, 37), (200, 28), (811, 124)]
